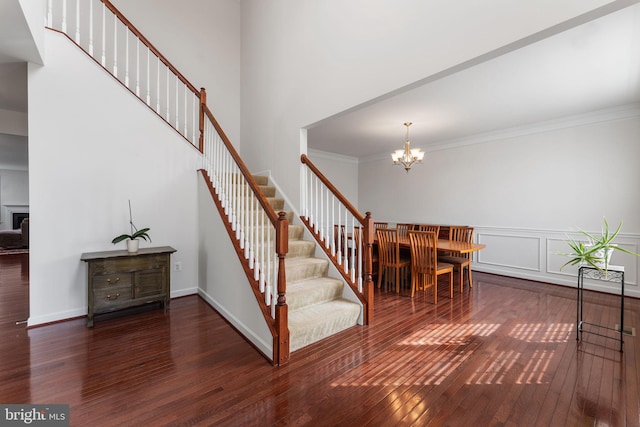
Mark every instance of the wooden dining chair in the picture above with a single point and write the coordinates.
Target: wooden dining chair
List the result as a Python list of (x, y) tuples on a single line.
[(377, 225), (403, 229), (425, 266), (429, 227), (460, 261), (389, 255)]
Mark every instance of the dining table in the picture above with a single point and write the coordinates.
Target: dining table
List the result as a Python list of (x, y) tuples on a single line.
[(447, 245)]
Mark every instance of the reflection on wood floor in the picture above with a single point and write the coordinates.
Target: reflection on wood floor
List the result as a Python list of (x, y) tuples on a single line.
[(502, 353)]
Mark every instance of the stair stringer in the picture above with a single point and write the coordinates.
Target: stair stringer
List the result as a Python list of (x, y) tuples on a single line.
[(222, 280), (347, 292)]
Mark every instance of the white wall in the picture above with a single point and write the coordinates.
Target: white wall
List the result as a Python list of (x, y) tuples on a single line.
[(92, 147), (523, 190), (223, 283), (305, 61)]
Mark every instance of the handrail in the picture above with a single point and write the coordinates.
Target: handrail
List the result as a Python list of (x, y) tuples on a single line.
[(147, 43), (347, 241), (271, 213), (355, 212), (258, 234)]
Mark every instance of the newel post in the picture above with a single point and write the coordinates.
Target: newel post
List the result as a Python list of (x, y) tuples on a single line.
[(281, 347), (203, 102), (368, 231)]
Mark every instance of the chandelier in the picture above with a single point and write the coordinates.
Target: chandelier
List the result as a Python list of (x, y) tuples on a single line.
[(407, 156)]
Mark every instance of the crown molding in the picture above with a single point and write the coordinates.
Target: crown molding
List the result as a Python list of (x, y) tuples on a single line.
[(332, 156), (607, 115)]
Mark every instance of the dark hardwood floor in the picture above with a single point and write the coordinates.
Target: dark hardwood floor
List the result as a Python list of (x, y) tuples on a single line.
[(502, 354)]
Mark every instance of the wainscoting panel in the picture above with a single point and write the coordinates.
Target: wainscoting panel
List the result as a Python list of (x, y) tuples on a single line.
[(521, 252), (537, 255)]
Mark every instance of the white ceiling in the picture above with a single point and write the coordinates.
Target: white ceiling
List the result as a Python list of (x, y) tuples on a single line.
[(591, 67)]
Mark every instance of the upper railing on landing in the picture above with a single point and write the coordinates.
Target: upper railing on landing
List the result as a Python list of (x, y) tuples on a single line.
[(117, 45)]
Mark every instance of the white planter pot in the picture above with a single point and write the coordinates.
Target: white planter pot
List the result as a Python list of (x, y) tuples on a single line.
[(132, 245), (604, 258)]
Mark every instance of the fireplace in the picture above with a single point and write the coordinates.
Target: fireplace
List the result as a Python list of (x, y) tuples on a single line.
[(17, 219)]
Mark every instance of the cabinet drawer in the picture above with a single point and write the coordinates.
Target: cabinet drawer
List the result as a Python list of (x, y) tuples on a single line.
[(133, 263), (111, 280), (110, 298)]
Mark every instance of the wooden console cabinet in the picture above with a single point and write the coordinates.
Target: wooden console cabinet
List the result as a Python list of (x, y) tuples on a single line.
[(119, 279)]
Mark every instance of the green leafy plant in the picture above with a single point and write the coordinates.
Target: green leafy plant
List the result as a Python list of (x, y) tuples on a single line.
[(595, 250), (135, 233)]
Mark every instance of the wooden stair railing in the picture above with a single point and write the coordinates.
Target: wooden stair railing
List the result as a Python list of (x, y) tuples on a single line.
[(345, 235), (259, 235), (254, 228), (112, 41)]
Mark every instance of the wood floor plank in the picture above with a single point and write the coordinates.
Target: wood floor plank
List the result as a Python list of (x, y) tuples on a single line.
[(503, 353)]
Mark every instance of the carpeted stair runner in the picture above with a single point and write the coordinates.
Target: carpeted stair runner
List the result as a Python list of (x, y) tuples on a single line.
[(316, 307)]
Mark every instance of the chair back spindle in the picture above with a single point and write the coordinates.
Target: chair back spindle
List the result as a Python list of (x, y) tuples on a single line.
[(429, 227), (403, 229)]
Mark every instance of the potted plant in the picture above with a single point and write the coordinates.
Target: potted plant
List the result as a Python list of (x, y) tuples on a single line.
[(596, 251), (133, 242)]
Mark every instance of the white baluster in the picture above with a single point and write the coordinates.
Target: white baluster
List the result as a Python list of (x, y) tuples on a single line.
[(91, 27), (310, 200), (104, 36), (345, 252), (126, 57), (148, 76), (177, 103), (262, 252), (268, 263), (353, 249), (115, 46), (223, 164), (158, 85), (196, 112), (64, 16), (337, 237), (78, 21), (49, 21), (303, 191), (234, 201), (315, 204), (168, 116), (253, 235), (185, 109), (333, 222), (321, 216), (138, 67), (327, 225), (247, 233)]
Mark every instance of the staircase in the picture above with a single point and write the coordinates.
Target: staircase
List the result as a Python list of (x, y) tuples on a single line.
[(316, 307)]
